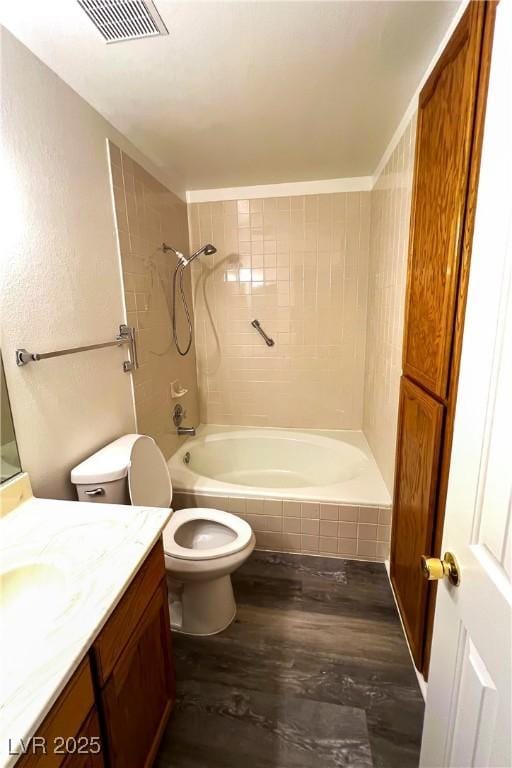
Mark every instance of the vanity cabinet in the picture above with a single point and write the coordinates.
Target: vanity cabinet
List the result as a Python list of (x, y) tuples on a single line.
[(88, 759), (138, 696), (133, 661), (123, 692), (70, 733)]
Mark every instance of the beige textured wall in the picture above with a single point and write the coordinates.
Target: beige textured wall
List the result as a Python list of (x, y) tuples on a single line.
[(148, 214), (389, 235), (299, 265), (61, 284)]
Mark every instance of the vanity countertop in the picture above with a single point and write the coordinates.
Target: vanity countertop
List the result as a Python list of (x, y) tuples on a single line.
[(65, 565)]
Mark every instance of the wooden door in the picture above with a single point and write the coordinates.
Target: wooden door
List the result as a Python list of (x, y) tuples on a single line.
[(469, 700), (138, 697), (450, 127), (442, 164), (420, 423)]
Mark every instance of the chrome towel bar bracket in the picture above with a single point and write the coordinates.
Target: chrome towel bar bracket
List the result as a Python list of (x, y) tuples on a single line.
[(126, 335), (268, 341)]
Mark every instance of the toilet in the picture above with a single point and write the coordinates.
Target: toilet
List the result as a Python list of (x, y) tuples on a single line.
[(202, 546)]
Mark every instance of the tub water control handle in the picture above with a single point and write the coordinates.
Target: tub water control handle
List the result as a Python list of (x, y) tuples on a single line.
[(178, 414)]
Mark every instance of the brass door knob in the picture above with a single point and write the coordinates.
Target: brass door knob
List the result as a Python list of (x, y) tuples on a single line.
[(434, 568)]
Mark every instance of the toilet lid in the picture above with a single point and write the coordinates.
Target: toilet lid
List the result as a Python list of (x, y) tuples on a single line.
[(148, 475), (242, 533)]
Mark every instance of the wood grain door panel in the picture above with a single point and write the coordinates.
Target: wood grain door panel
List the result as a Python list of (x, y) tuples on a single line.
[(87, 759), (64, 719), (117, 632), (138, 697), (442, 162), (419, 441), (469, 222)]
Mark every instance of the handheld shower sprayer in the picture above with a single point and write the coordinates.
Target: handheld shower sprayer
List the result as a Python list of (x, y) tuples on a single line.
[(183, 262)]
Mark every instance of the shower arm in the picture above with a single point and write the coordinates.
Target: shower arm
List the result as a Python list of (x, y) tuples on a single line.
[(181, 258)]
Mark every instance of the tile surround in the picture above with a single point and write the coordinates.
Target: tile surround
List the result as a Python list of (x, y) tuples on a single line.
[(293, 526), (325, 275), (304, 266), (389, 240), (147, 214), (299, 265)]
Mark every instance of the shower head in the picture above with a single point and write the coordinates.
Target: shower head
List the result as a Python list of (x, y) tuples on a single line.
[(207, 249)]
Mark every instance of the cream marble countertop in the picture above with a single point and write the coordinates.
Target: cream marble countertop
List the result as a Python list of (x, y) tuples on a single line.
[(82, 557)]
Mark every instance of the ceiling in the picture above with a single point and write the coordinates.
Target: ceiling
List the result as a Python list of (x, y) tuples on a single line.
[(244, 93)]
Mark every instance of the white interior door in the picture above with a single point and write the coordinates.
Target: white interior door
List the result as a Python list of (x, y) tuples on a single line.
[(468, 711)]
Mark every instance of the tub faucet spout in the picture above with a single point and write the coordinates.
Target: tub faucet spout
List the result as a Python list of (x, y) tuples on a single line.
[(186, 431)]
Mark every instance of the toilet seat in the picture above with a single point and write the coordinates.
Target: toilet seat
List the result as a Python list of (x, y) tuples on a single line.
[(149, 482), (241, 531)]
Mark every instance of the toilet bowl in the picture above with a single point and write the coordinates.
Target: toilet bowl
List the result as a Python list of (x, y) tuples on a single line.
[(202, 546)]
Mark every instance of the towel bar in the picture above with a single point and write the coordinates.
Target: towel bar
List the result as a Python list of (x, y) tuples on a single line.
[(126, 335)]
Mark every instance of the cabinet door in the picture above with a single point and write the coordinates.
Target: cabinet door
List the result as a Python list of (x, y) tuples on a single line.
[(120, 627), (138, 696), (443, 154), (64, 721), (86, 744), (420, 422)]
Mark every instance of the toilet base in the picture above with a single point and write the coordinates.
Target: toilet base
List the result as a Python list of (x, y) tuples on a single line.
[(202, 608)]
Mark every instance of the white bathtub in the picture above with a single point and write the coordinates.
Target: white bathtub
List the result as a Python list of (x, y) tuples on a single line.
[(335, 467)]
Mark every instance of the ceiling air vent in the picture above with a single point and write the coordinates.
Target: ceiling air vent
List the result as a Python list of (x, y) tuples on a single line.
[(119, 20)]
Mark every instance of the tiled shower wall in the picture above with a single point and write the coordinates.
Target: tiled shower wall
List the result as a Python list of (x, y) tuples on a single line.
[(299, 265), (147, 214), (389, 236)]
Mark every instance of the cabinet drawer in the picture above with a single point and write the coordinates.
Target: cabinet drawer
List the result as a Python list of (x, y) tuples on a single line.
[(65, 719), (115, 635)]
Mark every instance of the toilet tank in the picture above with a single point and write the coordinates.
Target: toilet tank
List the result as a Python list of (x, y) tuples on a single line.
[(103, 477)]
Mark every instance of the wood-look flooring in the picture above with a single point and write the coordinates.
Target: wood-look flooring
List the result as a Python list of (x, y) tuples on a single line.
[(313, 673)]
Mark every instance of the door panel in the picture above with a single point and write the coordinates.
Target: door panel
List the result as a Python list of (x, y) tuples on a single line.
[(476, 705), (443, 145), (65, 719), (86, 740), (420, 422)]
